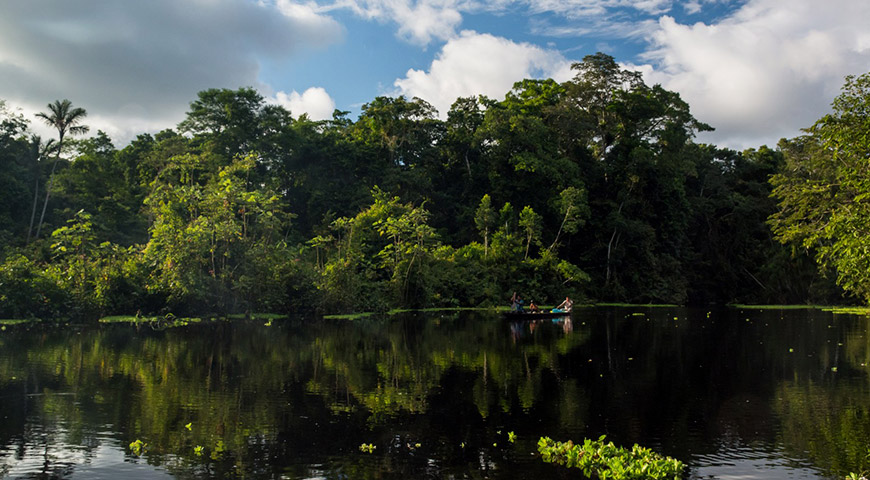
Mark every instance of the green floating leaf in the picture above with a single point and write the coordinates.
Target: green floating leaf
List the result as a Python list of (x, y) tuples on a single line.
[(606, 460), (138, 447)]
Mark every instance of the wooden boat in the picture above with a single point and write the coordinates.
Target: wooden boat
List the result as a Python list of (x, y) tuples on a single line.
[(527, 315)]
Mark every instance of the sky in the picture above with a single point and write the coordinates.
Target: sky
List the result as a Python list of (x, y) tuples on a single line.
[(756, 70)]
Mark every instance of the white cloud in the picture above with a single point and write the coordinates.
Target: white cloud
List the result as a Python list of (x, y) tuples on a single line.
[(138, 64), (424, 21), (691, 7), (767, 70), (474, 64), (315, 102), (598, 8), (610, 28), (419, 21)]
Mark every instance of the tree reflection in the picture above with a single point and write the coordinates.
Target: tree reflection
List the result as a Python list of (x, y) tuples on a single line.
[(297, 398), (251, 392)]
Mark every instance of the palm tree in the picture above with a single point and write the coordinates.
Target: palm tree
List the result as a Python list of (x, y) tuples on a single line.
[(36, 151), (64, 118)]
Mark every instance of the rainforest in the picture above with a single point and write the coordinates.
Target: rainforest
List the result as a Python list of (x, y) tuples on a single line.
[(592, 188)]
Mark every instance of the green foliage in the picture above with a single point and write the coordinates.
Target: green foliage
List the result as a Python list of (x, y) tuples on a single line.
[(100, 277), (103, 182), (212, 232), (606, 460), (384, 254), (65, 119), (822, 189), (530, 224), (26, 290), (230, 118), (603, 195), (138, 447), (485, 219)]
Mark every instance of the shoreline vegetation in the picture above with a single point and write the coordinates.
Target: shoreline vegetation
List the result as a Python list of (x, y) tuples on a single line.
[(269, 317), (592, 188)]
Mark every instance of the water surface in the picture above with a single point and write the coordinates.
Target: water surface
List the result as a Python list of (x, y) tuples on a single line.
[(735, 394)]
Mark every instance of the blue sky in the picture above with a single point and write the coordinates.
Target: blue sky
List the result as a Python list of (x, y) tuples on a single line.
[(757, 70)]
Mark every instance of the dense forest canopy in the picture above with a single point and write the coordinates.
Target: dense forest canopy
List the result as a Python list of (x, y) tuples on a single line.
[(592, 188)]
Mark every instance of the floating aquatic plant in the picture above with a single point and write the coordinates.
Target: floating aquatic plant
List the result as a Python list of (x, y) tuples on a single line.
[(138, 447), (606, 460)]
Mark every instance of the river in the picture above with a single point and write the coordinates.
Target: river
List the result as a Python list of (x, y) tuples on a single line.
[(733, 393)]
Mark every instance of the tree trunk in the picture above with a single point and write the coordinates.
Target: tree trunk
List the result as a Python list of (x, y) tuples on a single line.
[(33, 210), (468, 165), (565, 219), (609, 250), (48, 187), (610, 245)]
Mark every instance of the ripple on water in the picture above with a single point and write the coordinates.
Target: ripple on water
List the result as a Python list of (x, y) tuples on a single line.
[(744, 462), (47, 453)]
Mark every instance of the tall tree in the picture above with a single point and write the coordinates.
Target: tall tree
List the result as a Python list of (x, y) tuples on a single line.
[(637, 138), (66, 119), (530, 223), (36, 151), (14, 172), (229, 118), (485, 219)]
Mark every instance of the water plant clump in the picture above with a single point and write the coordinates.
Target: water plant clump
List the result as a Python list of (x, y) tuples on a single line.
[(605, 460), (138, 447)]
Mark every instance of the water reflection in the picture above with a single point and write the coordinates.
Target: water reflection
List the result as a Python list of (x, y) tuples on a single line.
[(748, 394)]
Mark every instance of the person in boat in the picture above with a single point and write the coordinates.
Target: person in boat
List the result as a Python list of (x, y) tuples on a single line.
[(533, 308), (564, 307), (516, 303)]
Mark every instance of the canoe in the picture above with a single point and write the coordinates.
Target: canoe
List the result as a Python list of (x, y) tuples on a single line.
[(526, 315)]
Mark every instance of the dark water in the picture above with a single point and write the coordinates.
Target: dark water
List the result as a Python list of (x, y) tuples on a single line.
[(735, 394)]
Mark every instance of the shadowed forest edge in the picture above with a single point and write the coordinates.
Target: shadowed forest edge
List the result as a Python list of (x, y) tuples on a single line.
[(592, 188)]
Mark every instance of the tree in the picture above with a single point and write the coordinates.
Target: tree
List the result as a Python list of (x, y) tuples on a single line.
[(485, 218), (463, 120), (15, 170), (208, 229), (12, 124), (530, 222), (523, 153), (65, 119), (407, 129), (574, 209), (231, 118), (36, 151), (101, 181), (636, 160), (824, 189)]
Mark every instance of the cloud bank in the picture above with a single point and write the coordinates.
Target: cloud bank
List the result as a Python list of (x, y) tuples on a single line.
[(757, 70), (136, 65), (765, 71)]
